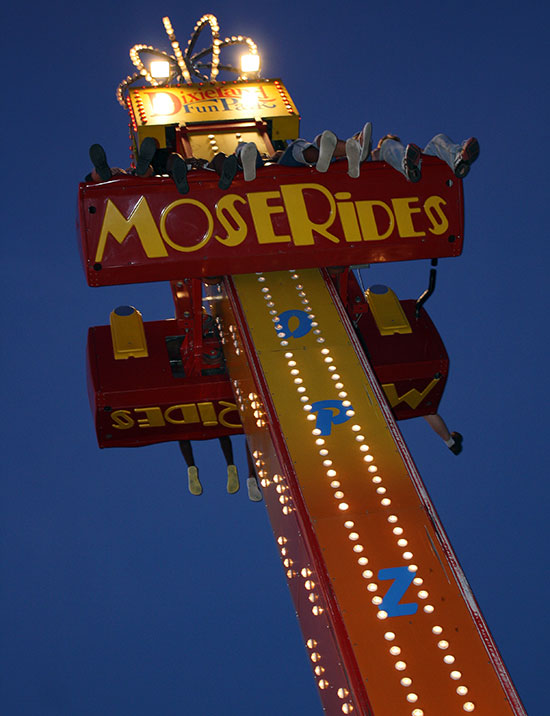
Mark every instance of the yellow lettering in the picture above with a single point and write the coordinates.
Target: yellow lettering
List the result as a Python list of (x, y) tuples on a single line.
[(348, 217), (229, 407), (301, 226), (434, 212), (403, 215), (208, 414), (189, 414), (122, 419), (367, 219), (261, 216), (115, 224), (207, 234), (153, 418), (235, 234), (413, 397)]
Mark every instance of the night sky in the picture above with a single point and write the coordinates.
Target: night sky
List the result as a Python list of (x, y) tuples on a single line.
[(120, 592)]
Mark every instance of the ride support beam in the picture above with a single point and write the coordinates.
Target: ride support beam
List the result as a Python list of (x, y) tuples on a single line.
[(388, 619)]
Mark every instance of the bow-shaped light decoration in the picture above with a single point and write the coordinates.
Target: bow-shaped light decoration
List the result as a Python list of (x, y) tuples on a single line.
[(183, 65)]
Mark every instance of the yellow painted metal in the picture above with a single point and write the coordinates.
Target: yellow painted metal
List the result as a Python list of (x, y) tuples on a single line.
[(365, 502), (158, 132), (285, 127), (207, 145), (387, 312), (128, 335)]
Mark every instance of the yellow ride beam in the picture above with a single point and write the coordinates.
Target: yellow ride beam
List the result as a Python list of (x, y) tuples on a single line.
[(376, 569)]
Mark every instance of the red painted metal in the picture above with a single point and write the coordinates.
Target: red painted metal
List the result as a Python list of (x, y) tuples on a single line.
[(409, 361), (134, 401), (287, 218)]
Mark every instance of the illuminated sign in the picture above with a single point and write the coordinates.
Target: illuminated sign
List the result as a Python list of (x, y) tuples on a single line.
[(211, 102), (145, 230)]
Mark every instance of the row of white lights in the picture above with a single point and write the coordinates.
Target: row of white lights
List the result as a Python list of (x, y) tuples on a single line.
[(381, 491), (160, 69)]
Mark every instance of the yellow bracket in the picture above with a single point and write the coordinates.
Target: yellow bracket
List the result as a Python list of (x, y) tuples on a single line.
[(128, 333), (387, 312)]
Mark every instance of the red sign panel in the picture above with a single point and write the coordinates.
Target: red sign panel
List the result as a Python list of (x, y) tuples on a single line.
[(135, 229), (142, 401)]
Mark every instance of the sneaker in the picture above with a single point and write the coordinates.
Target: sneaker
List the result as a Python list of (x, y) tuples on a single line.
[(248, 156), (177, 168), (456, 447), (327, 145), (467, 156), (147, 151), (232, 479), (254, 493), (353, 153), (99, 160), (195, 487), (411, 163), (228, 171), (365, 141)]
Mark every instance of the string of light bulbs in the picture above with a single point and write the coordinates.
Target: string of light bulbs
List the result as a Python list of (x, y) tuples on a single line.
[(183, 65)]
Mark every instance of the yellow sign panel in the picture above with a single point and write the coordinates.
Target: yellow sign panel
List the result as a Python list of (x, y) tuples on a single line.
[(211, 102)]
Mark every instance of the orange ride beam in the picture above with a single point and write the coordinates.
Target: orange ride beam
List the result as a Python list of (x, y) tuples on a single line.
[(389, 621)]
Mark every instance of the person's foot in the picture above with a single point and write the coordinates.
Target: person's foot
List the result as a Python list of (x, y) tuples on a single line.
[(365, 141), (195, 487), (353, 154), (327, 145), (254, 492), (177, 168), (228, 171), (232, 479), (99, 160), (411, 163), (147, 150), (456, 447), (248, 158), (466, 157)]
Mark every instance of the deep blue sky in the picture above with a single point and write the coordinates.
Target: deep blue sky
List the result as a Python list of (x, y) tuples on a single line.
[(123, 594)]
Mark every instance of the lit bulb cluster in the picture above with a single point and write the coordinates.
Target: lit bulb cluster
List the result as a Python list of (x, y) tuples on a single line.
[(285, 558), (285, 498), (184, 64), (284, 96), (213, 144), (322, 683), (235, 339), (258, 412), (141, 110)]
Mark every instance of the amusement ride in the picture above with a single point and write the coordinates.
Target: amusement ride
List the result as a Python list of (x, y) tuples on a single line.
[(275, 336)]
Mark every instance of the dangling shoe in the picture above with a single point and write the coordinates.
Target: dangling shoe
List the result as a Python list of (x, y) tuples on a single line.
[(99, 160), (327, 145), (466, 157), (248, 156), (456, 447), (365, 141), (232, 479), (195, 487), (228, 171), (411, 163), (353, 153), (254, 492), (146, 153), (177, 168)]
